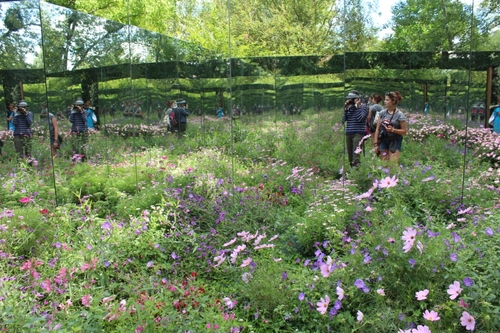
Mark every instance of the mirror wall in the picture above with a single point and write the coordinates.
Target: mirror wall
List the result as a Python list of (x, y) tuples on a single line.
[(50, 57)]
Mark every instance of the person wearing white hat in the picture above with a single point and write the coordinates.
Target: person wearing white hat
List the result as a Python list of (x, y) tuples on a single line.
[(355, 114), (22, 132), (181, 114), (79, 128)]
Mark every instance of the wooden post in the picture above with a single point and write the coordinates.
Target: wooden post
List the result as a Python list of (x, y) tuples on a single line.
[(21, 89)]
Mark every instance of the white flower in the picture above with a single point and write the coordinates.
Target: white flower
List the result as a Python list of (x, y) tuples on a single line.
[(360, 316)]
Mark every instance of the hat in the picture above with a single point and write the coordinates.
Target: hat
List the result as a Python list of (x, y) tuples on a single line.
[(352, 94), (181, 101), (23, 104), (79, 101)]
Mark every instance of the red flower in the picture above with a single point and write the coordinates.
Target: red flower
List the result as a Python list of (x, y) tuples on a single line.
[(44, 211), (194, 274)]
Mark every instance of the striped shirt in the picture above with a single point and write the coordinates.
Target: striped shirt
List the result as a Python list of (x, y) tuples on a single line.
[(356, 119), (23, 122), (78, 122)]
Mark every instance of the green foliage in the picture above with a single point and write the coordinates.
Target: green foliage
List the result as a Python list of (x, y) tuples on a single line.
[(188, 233)]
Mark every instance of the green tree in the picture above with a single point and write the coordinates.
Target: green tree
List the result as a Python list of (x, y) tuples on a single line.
[(444, 25)]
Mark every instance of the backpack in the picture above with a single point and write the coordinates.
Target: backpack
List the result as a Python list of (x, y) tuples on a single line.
[(173, 119), (372, 125), (51, 130)]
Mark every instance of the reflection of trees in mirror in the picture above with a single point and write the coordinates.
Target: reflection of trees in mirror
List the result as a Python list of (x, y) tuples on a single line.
[(75, 40), (20, 36)]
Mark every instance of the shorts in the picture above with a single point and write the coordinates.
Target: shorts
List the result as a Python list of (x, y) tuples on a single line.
[(392, 145)]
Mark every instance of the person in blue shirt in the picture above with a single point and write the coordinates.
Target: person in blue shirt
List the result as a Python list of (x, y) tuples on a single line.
[(11, 112), (496, 113), (220, 112), (90, 115)]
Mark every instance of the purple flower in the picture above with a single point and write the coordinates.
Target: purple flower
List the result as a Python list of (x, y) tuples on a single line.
[(106, 264), (468, 282), (337, 305), (106, 225), (332, 312), (456, 237), (284, 276), (489, 231), (175, 256), (360, 284), (453, 257), (432, 234), (302, 296), (412, 262)]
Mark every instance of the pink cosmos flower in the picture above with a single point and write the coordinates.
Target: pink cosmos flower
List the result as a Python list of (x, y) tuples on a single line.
[(454, 290), (388, 182), (230, 242), (407, 247), (409, 235), (420, 247), (421, 295), (229, 303), (340, 293), (25, 200), (86, 300), (365, 195), (327, 268), (323, 304), (421, 329), (360, 316), (468, 321), (381, 292), (246, 262), (431, 316)]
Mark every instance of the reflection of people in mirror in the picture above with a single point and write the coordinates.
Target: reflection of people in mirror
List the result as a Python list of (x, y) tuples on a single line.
[(23, 119), (11, 112), (91, 116), (79, 129), (53, 133), (181, 114), (495, 112)]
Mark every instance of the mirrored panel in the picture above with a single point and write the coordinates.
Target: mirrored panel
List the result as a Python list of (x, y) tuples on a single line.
[(77, 61), (25, 149)]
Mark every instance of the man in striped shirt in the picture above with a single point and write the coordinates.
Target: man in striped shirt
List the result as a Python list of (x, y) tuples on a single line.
[(79, 129), (22, 132), (355, 114)]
